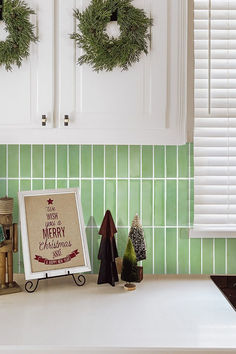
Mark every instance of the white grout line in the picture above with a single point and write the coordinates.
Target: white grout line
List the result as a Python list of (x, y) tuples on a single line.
[(129, 185), (67, 166), (141, 184), (19, 188), (177, 210), (104, 181), (153, 196), (7, 170), (226, 256), (146, 227), (92, 208), (189, 207), (43, 166), (165, 267), (213, 254), (101, 178), (116, 186), (31, 167), (56, 177), (80, 169), (201, 255), (141, 188)]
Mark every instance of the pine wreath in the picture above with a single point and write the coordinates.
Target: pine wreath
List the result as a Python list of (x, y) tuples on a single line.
[(103, 52), (15, 48)]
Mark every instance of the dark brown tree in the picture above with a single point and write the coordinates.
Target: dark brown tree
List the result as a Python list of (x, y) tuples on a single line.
[(108, 251)]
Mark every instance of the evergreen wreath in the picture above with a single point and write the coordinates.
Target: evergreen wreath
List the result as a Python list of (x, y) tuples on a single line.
[(15, 48), (103, 52)]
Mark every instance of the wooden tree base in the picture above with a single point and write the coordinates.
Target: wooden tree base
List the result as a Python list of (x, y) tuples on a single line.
[(130, 287), (10, 290)]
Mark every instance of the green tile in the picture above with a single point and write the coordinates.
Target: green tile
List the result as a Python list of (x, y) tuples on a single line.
[(50, 184), (74, 167), (13, 161), (134, 161), (61, 183), (86, 201), (207, 254), (183, 251), (122, 161), (37, 161), (191, 202), (89, 237), (25, 185), (98, 161), (3, 161), (147, 162), (171, 251), (183, 203), (50, 161), (13, 188), (86, 161), (191, 161), (148, 263), (159, 265), (183, 160), (122, 203), (110, 153), (74, 183), (110, 199), (96, 245), (98, 201), (61, 161), (37, 184), (219, 256), (25, 161), (171, 166), (134, 199), (159, 161), (159, 202), (122, 239), (231, 258), (147, 203), (195, 256), (3, 188), (170, 203)]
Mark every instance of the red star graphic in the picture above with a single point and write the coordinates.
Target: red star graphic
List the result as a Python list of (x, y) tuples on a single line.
[(50, 201)]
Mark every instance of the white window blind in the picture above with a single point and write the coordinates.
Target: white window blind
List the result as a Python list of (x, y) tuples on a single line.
[(215, 119)]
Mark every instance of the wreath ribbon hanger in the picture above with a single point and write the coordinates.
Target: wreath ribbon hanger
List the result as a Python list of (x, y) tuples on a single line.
[(1, 9)]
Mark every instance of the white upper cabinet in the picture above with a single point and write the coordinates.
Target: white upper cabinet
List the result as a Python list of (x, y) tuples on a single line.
[(26, 93), (144, 105)]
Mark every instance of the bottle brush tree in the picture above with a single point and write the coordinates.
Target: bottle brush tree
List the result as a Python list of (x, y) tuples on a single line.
[(129, 267), (137, 237)]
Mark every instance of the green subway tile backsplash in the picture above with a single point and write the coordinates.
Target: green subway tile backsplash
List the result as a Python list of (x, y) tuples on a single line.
[(154, 181)]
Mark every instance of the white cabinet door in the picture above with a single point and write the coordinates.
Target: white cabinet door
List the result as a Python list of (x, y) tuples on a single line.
[(144, 105), (26, 93)]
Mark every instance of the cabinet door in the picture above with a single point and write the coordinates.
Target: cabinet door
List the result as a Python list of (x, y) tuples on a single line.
[(26, 93), (144, 105)]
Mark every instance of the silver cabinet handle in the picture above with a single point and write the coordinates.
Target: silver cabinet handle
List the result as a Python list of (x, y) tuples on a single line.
[(44, 120), (66, 120)]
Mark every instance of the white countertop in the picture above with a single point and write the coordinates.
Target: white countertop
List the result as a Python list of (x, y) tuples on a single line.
[(164, 314)]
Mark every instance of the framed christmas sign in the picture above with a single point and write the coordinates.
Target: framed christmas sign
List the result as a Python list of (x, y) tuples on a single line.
[(53, 233)]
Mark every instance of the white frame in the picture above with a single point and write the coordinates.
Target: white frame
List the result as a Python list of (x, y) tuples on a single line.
[(25, 242)]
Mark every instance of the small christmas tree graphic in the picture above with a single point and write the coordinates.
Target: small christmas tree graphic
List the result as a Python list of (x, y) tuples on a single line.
[(137, 237), (129, 267)]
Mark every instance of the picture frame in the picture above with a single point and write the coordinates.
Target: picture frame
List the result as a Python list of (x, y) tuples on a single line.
[(53, 233)]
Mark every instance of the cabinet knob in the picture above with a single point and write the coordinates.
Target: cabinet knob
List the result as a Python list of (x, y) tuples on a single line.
[(44, 120), (66, 120)]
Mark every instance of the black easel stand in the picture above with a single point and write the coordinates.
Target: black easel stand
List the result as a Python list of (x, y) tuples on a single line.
[(30, 287)]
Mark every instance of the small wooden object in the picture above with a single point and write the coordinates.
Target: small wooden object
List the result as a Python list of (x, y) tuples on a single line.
[(139, 274), (7, 247), (130, 287)]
